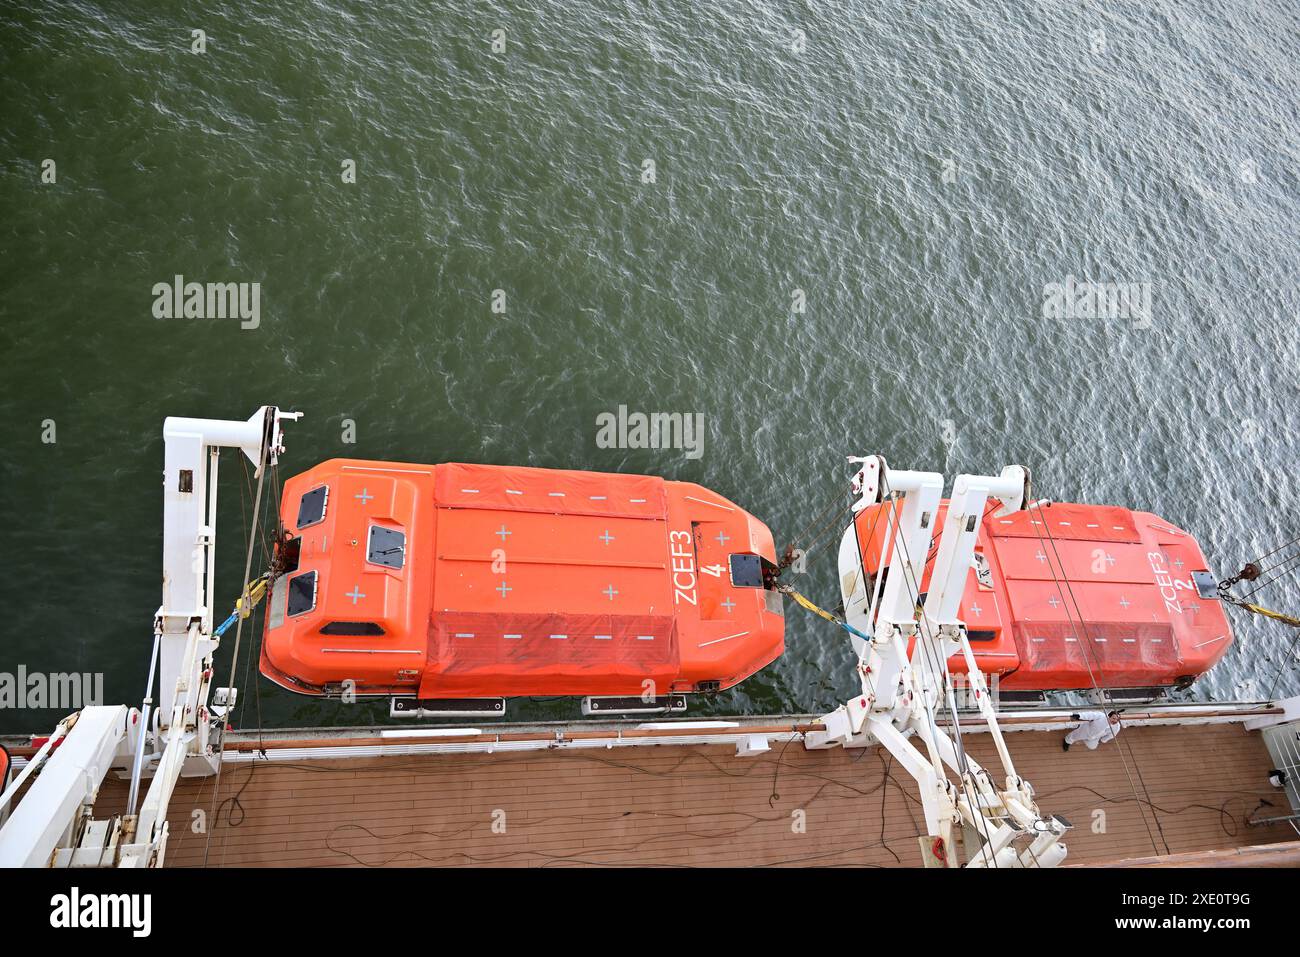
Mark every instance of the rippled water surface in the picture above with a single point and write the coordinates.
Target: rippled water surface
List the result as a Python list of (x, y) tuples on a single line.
[(920, 170)]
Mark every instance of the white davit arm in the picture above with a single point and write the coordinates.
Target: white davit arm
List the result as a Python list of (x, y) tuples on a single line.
[(52, 825), (183, 625), (904, 668), (45, 828)]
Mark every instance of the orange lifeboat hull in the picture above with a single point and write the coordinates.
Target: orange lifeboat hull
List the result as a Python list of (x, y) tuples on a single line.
[(470, 581), (1072, 597)]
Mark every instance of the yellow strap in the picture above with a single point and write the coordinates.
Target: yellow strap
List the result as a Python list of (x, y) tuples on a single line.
[(254, 591), (1275, 615), (806, 603)]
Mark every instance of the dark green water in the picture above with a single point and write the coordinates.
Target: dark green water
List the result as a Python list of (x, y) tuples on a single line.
[(1166, 154)]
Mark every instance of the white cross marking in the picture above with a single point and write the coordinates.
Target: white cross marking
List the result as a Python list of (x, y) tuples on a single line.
[(364, 495), (503, 532), (355, 594)]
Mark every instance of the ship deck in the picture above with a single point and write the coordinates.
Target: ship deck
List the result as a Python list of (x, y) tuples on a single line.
[(1161, 790)]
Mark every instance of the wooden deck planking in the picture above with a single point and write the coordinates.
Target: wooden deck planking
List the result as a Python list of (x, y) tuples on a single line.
[(702, 806)]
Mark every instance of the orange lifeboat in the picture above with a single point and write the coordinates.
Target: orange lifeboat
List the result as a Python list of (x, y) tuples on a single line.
[(454, 581), (1077, 597)]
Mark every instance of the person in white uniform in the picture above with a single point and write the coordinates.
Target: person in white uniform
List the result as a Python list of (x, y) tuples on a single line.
[(1096, 728)]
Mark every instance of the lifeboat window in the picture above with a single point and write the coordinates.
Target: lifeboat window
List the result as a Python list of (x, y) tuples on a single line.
[(352, 628), (746, 571), (311, 509), (302, 593), (387, 547), (981, 635)]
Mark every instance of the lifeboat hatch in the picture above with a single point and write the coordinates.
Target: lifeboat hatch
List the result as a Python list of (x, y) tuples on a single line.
[(286, 555), (664, 704), (447, 707), (1207, 586), (752, 571), (746, 571), (386, 547)]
